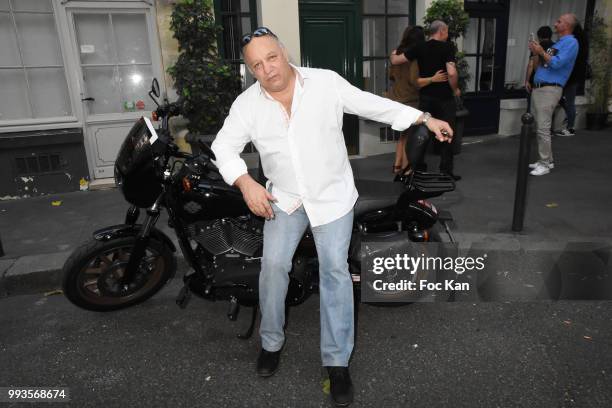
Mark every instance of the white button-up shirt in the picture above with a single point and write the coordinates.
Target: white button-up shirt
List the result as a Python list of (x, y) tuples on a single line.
[(303, 154)]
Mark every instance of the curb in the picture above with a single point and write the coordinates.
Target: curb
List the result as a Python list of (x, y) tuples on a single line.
[(40, 273)]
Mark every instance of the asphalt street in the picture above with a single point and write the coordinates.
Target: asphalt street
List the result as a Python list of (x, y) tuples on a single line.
[(495, 354)]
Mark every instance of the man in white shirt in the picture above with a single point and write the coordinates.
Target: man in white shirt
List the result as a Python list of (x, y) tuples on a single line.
[(293, 116)]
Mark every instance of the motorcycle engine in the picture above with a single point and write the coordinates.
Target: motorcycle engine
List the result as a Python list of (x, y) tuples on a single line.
[(236, 245), (240, 235)]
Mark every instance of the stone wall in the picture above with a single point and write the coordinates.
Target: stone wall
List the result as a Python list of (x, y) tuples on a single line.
[(167, 43)]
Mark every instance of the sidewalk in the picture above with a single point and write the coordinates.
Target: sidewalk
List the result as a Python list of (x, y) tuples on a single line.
[(567, 223)]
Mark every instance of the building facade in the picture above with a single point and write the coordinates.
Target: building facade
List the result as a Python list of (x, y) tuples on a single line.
[(74, 74)]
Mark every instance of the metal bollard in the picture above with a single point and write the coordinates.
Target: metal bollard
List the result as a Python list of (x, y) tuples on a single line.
[(522, 173)]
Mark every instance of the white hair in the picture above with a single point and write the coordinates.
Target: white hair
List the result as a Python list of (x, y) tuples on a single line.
[(436, 26), (573, 20)]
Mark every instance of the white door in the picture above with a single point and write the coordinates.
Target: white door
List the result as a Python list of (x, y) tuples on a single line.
[(116, 63)]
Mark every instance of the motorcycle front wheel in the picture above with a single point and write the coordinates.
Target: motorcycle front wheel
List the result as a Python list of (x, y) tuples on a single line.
[(92, 274)]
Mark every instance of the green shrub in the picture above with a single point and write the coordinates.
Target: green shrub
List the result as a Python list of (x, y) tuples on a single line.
[(600, 60), (206, 84)]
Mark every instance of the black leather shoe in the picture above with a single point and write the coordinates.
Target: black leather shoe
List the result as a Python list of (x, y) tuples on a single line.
[(340, 385), (267, 362)]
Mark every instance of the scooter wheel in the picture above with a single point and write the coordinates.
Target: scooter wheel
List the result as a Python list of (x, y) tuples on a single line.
[(91, 277)]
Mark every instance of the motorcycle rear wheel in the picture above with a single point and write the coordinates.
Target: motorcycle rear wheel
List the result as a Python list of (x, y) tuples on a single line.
[(435, 236), (91, 274)]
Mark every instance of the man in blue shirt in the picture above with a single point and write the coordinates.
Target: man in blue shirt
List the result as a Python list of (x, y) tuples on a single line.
[(549, 80)]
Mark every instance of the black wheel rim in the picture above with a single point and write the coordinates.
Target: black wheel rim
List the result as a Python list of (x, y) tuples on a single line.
[(110, 264)]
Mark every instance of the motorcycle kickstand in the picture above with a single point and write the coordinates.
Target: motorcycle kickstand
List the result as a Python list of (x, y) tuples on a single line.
[(247, 335), (184, 296)]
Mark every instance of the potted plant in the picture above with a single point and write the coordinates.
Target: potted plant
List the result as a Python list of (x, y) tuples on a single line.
[(205, 84), (601, 74), (453, 14)]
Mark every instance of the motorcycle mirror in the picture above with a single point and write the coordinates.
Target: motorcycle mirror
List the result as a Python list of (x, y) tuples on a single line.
[(155, 87)]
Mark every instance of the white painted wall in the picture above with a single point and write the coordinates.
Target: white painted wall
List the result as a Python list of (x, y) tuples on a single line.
[(421, 6), (369, 139), (282, 17), (511, 110)]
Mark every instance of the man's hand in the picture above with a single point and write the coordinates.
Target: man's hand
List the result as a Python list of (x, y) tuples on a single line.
[(457, 92), (441, 129), (535, 48), (528, 86), (440, 76), (256, 196)]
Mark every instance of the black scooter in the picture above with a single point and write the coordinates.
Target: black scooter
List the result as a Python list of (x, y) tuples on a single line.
[(221, 240)]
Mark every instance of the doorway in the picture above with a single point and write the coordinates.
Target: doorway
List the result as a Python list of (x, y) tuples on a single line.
[(330, 37), (116, 57), (484, 47)]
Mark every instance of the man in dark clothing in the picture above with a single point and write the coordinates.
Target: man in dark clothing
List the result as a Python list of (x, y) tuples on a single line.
[(438, 98), (545, 39)]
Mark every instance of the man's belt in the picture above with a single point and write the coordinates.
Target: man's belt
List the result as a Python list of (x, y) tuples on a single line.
[(541, 84)]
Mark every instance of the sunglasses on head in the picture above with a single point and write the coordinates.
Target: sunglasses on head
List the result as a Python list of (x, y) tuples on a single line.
[(259, 32)]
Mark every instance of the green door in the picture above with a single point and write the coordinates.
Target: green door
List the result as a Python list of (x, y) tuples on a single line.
[(330, 37)]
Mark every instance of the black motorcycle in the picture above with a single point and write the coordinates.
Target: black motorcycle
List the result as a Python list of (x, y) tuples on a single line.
[(220, 239)]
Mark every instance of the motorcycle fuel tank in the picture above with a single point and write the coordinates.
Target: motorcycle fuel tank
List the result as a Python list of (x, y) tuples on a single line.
[(208, 200)]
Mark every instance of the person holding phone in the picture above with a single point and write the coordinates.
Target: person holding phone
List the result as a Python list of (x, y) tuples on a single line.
[(549, 80), (545, 39)]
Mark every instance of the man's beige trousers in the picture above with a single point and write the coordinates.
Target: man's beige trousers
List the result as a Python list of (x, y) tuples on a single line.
[(544, 102)]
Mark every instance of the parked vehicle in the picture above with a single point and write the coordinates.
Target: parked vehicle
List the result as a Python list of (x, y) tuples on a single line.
[(220, 239)]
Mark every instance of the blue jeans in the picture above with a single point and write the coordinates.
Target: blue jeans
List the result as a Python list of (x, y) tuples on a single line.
[(569, 92), (282, 235)]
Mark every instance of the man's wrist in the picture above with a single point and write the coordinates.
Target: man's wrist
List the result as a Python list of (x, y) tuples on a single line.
[(425, 116), (242, 180)]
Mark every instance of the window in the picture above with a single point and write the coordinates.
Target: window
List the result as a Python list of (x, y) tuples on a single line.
[(526, 17), (388, 135), (39, 164), (237, 17), (479, 49), (383, 22), (116, 61), (32, 78)]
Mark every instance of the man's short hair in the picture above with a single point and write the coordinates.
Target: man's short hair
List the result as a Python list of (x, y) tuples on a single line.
[(436, 26), (545, 33), (573, 20)]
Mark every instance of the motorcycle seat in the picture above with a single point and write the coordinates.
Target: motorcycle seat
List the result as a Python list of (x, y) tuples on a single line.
[(375, 195)]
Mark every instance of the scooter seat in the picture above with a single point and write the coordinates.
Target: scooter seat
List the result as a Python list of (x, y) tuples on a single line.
[(374, 195)]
